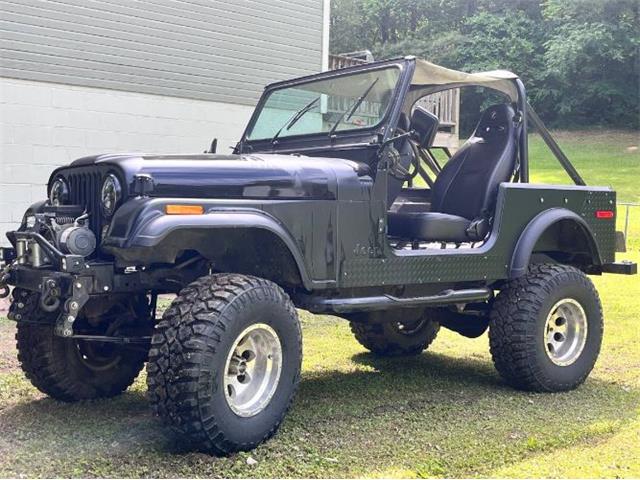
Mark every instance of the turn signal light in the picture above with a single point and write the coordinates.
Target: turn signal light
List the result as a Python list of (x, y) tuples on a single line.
[(604, 214), (184, 209)]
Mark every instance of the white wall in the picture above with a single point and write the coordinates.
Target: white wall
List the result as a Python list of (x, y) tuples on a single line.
[(45, 125), (214, 50)]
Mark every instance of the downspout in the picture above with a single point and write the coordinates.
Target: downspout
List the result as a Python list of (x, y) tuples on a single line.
[(326, 22)]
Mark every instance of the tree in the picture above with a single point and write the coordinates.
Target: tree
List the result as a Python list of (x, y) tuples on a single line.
[(592, 61), (578, 58)]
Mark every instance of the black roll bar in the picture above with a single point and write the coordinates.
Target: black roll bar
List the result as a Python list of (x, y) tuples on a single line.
[(523, 141), (553, 146)]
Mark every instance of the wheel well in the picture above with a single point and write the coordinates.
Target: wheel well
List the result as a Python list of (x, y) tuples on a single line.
[(246, 250), (568, 242), (252, 251), (556, 236)]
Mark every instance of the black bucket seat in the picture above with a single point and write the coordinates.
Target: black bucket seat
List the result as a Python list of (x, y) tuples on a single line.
[(463, 195)]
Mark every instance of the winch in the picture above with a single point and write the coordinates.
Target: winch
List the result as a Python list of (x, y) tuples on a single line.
[(68, 234), (76, 239)]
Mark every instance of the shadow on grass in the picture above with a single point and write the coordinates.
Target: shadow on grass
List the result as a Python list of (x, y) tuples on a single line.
[(328, 403), (437, 366), (409, 374)]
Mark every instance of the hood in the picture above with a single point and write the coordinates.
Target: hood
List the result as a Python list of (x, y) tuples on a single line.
[(256, 176)]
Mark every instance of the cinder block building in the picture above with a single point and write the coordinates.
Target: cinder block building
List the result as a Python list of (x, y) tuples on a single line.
[(81, 77)]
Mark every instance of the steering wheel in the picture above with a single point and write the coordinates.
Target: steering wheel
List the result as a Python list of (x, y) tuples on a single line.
[(397, 171)]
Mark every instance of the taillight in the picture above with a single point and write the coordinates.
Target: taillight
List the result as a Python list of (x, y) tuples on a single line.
[(605, 214)]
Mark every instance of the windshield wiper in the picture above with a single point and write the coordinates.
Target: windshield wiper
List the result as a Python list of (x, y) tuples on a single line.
[(295, 117), (346, 115)]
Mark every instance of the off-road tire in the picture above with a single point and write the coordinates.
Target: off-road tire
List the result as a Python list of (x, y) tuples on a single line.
[(517, 328), (54, 364), (382, 337), (189, 352)]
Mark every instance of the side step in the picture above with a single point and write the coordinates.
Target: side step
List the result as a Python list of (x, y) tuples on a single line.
[(383, 302)]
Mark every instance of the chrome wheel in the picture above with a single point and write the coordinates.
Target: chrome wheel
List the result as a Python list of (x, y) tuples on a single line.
[(252, 370), (565, 332)]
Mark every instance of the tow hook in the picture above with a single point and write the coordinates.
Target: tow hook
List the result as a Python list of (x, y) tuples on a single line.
[(50, 298)]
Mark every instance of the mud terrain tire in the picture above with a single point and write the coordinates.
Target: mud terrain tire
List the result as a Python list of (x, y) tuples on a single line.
[(385, 335), (64, 368), (190, 354), (521, 329)]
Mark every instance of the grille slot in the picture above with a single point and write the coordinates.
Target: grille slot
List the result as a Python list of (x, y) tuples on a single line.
[(84, 188)]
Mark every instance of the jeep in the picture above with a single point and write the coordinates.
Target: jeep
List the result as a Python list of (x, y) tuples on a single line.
[(335, 201)]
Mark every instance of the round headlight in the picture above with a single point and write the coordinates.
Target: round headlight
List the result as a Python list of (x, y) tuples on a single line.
[(110, 194), (59, 193)]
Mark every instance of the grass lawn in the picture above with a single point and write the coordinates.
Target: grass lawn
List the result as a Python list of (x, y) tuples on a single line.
[(445, 413)]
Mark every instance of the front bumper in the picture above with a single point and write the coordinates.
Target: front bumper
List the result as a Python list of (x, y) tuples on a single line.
[(64, 285), (66, 282)]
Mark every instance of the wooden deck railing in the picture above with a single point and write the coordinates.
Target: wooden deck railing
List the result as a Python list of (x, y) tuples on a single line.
[(339, 61), (443, 105)]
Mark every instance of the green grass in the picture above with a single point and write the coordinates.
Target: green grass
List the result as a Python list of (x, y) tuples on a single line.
[(605, 158), (445, 413)]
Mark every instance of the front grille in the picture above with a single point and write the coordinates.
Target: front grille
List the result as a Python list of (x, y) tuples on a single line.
[(84, 189)]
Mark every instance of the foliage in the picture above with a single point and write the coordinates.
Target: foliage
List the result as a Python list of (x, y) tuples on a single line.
[(579, 58), (592, 51)]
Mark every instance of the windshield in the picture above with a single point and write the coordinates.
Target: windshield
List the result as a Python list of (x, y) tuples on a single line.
[(347, 102)]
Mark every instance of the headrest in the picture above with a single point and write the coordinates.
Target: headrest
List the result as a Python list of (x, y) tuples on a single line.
[(495, 120), (403, 122), (425, 124)]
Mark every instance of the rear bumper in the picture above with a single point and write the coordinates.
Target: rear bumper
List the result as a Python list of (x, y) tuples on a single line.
[(624, 267)]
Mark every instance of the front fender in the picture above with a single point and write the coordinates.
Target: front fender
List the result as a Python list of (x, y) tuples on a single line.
[(141, 229), (534, 231)]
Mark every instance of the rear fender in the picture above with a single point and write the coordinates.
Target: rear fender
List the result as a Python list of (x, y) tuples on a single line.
[(541, 231)]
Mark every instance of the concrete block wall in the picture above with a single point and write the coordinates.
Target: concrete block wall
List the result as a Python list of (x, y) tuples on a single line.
[(46, 125)]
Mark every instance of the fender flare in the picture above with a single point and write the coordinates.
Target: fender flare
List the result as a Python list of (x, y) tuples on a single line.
[(536, 228), (154, 227)]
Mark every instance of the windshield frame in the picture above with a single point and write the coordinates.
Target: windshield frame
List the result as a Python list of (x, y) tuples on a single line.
[(354, 136)]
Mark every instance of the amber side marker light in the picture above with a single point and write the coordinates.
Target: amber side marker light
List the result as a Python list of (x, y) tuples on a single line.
[(604, 214), (184, 209)]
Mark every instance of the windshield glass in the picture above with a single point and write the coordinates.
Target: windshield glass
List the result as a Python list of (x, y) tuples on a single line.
[(348, 102)]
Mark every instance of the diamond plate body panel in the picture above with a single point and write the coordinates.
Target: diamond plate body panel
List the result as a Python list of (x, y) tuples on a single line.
[(603, 229), (426, 269), (369, 261)]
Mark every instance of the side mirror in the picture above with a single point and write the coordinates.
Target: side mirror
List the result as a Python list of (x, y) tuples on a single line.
[(213, 147)]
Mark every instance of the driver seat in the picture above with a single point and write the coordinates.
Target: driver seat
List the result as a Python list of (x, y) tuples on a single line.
[(463, 195)]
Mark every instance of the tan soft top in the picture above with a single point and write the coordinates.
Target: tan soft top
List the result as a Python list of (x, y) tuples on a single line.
[(429, 78)]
